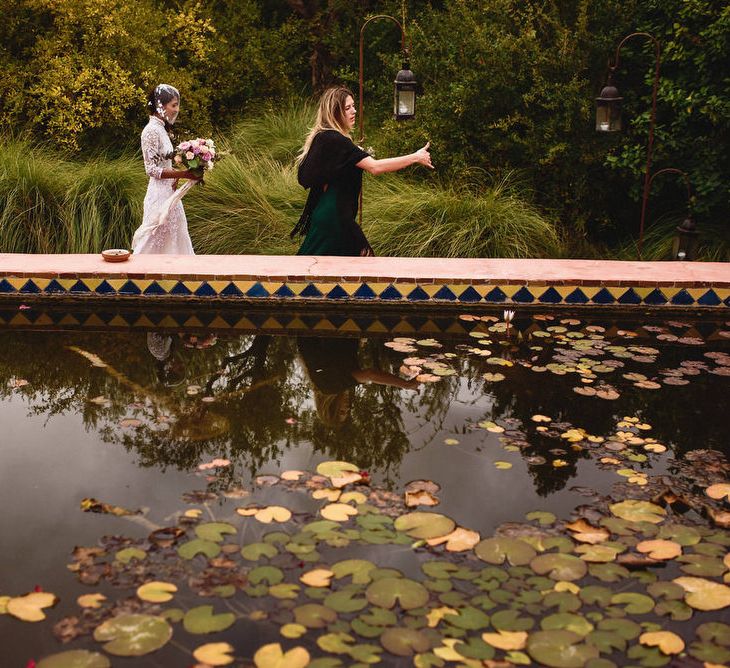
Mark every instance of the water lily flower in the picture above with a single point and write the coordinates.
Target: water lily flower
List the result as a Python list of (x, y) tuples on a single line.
[(508, 315)]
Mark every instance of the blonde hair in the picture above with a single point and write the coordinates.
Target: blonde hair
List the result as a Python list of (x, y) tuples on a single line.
[(330, 116)]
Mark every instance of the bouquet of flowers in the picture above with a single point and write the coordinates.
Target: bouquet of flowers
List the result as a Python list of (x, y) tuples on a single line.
[(197, 155)]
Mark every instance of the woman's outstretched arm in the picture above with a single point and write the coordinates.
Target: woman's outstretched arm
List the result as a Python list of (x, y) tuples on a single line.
[(420, 157)]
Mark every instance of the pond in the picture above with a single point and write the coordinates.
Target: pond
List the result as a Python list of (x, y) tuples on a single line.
[(334, 490)]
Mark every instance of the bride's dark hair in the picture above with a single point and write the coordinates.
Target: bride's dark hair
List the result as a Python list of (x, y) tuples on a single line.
[(158, 97)]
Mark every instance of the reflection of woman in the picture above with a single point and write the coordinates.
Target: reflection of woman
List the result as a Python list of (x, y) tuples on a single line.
[(333, 368), (330, 166), (164, 227)]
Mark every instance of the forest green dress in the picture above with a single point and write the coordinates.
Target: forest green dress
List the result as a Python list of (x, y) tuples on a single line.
[(328, 219)]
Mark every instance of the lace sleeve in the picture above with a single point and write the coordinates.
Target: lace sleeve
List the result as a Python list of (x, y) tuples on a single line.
[(152, 153)]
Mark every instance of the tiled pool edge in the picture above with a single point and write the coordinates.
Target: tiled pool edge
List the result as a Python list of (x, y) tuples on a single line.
[(395, 281)]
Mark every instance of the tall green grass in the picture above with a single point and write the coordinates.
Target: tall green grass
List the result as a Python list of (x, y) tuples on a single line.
[(251, 201)]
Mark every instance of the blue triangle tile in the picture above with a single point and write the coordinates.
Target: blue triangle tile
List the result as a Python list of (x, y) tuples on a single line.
[(445, 293), (130, 288), (154, 288), (54, 287), (363, 323), (390, 293), (364, 292), (727, 301), (683, 298), (655, 298), (523, 296), (495, 295), (231, 291), (79, 288), (257, 290), (284, 291), (180, 289), (5, 287), (710, 298), (105, 289), (257, 319), (417, 295), (390, 321), (337, 292), (629, 297), (550, 296), (230, 318), (416, 322), (29, 287), (337, 320), (576, 297), (311, 291), (310, 320), (603, 296), (205, 290), (470, 295)]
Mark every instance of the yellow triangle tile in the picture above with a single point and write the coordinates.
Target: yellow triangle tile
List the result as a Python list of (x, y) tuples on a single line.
[(642, 292), (244, 286), (92, 283), (218, 286), (429, 327), (143, 321), (324, 288), (271, 287), (19, 320), (68, 320), (404, 327), (696, 293), (142, 283), (43, 319), (118, 321), (350, 288), (192, 321), (455, 328), (94, 321), (431, 288), (325, 324), (349, 326), (590, 291), (457, 288), (377, 288), (271, 323), (297, 288), (167, 284), (42, 283), (244, 323), (297, 323), (116, 283), (192, 285), (562, 290), (168, 321), (219, 323), (66, 283), (510, 290), (616, 291), (377, 327), (17, 283), (722, 293)]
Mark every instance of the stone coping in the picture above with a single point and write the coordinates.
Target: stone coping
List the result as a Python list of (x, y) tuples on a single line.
[(299, 279)]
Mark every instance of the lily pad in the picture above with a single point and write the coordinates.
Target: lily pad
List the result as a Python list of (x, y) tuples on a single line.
[(254, 551), (214, 531), (704, 594), (424, 525), (559, 566), (214, 654), (498, 550), (272, 656), (198, 546), (133, 635), (75, 658), (202, 620), (407, 593), (638, 511), (404, 642), (29, 608), (314, 616), (560, 649), (156, 592)]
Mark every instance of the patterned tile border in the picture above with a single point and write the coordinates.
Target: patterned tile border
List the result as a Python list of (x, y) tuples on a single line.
[(573, 285)]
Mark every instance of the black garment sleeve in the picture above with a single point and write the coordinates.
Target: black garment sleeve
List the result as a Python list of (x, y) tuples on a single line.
[(329, 154)]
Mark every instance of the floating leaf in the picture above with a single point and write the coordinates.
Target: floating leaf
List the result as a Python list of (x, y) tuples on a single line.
[(404, 641), (293, 630), (424, 525), (420, 498), (254, 551), (359, 569), (502, 465), (666, 641), (128, 553), (272, 656), (459, 540), (636, 604), (133, 635), (660, 549), (587, 533), (214, 531), (214, 654), (719, 491), (198, 546), (506, 640), (29, 608), (704, 594), (541, 516), (498, 550), (156, 592), (203, 620), (314, 616), (559, 566), (319, 577), (560, 649), (638, 511), (75, 658), (338, 512), (387, 591), (327, 493), (90, 600)]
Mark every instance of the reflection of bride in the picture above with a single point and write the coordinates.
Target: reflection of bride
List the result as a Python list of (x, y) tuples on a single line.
[(333, 368), (164, 226)]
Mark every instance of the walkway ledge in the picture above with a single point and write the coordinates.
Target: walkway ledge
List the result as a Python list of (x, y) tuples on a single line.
[(392, 280)]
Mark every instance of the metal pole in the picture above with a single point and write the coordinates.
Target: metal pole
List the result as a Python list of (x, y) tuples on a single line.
[(652, 122), (361, 105)]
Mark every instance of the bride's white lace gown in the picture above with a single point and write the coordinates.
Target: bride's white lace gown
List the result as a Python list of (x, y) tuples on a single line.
[(164, 226)]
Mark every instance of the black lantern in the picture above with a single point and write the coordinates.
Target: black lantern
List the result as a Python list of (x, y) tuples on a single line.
[(685, 241), (404, 106), (608, 108)]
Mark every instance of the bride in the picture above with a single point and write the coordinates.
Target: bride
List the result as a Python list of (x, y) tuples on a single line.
[(164, 226)]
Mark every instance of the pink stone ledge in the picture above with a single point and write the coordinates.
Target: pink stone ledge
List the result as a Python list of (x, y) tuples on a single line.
[(381, 269)]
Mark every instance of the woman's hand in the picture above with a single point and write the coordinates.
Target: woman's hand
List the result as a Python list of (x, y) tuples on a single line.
[(423, 157)]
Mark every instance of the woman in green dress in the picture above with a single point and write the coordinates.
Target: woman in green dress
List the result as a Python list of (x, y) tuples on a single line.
[(331, 167)]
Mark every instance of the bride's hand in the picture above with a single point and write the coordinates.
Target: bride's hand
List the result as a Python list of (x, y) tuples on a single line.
[(423, 157)]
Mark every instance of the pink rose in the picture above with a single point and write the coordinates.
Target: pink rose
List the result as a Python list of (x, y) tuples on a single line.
[(189, 155), (207, 156), (185, 146)]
